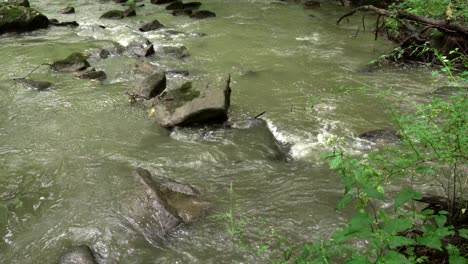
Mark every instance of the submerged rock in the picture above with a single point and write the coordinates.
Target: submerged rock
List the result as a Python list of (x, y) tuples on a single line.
[(175, 5), (92, 74), (55, 22), (385, 135), (197, 103), (202, 14), (153, 25), (78, 255), (192, 5), (151, 86), (39, 85), (140, 49), (75, 62), (113, 14), (157, 209), (179, 52), (311, 4), (68, 10), (265, 140), (20, 19), (182, 12)]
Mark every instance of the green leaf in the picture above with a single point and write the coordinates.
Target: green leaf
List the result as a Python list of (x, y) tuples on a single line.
[(397, 225), (463, 233), (454, 255), (373, 192), (405, 196), (399, 241), (336, 162), (347, 199), (287, 254), (262, 250), (393, 257), (358, 259), (457, 260), (430, 240)]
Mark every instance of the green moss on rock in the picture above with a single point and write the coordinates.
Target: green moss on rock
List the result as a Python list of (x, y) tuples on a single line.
[(75, 62), (113, 14), (182, 95), (19, 19)]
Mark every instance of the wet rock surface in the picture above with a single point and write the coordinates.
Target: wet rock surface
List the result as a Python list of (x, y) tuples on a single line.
[(68, 10), (153, 25), (385, 135), (202, 14), (78, 255), (194, 103), (75, 62), (20, 19), (157, 208), (151, 86), (39, 85), (91, 74)]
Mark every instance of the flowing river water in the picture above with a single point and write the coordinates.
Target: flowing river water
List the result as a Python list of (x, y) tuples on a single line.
[(66, 154)]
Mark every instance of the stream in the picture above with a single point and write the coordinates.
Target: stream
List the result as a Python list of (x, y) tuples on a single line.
[(66, 154)]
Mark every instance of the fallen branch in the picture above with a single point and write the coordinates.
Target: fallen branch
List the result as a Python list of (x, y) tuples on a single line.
[(401, 15)]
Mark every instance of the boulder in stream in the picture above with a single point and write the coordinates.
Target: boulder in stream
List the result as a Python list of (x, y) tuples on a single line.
[(195, 103), (118, 14), (55, 22), (202, 14), (151, 86), (24, 3), (75, 62), (385, 135), (20, 19), (78, 255), (160, 206), (91, 74), (175, 5), (153, 25)]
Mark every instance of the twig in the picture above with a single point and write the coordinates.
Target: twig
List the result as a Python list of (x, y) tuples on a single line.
[(259, 115)]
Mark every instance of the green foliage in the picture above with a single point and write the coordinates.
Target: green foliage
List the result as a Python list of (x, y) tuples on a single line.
[(132, 3), (233, 221), (433, 148)]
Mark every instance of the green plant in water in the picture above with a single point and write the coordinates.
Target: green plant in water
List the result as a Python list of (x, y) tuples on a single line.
[(132, 3), (234, 222)]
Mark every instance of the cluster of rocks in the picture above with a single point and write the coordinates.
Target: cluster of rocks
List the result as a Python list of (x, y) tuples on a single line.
[(77, 64), (179, 8)]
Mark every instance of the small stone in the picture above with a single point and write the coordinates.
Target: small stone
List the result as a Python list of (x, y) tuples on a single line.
[(113, 14), (153, 25), (68, 10), (202, 14)]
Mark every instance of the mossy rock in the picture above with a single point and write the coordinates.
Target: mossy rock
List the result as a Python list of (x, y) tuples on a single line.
[(202, 102), (113, 14), (75, 62), (24, 3), (182, 95), (20, 19)]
